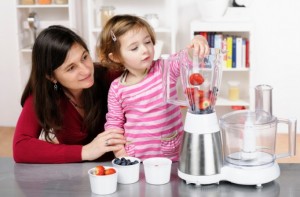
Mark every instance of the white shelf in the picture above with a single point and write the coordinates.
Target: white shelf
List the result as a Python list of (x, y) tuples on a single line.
[(166, 10), (221, 101), (26, 50), (157, 30), (69, 15), (44, 6)]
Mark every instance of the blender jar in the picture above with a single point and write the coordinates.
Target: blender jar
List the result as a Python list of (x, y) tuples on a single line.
[(199, 81), (249, 138)]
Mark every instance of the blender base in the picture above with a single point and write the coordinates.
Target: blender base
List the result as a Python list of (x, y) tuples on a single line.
[(200, 180), (238, 175), (251, 175)]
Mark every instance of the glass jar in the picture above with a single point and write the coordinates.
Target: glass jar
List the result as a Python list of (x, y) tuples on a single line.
[(61, 1), (234, 90), (106, 12), (44, 2), (27, 2), (152, 19)]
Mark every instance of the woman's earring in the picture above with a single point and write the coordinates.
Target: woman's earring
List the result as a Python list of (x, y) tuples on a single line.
[(55, 87)]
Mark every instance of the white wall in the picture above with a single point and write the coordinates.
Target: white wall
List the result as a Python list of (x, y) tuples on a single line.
[(276, 51), (10, 83)]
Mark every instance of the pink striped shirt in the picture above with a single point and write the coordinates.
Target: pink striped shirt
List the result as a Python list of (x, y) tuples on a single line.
[(152, 126)]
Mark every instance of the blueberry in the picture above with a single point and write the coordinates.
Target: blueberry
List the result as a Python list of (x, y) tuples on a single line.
[(117, 161), (125, 162), (135, 162)]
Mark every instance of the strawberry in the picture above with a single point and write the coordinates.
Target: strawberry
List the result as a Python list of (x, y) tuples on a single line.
[(99, 170), (204, 103), (109, 171), (196, 79), (194, 93), (200, 94)]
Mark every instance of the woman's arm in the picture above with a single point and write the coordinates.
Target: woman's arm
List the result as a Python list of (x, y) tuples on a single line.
[(27, 148)]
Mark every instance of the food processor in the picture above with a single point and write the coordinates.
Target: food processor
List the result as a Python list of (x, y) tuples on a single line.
[(249, 142), (243, 150)]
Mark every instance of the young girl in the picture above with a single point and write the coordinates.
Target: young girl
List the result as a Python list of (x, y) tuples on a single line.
[(153, 128)]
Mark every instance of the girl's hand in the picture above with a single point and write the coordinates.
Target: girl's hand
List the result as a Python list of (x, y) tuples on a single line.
[(121, 153), (107, 141), (199, 47)]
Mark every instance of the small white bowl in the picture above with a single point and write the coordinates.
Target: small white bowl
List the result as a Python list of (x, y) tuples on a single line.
[(157, 170), (130, 173), (103, 184)]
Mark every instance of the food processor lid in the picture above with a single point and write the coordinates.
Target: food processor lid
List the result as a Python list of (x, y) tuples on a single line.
[(242, 117)]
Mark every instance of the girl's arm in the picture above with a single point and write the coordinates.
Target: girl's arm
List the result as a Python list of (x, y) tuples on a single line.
[(115, 118)]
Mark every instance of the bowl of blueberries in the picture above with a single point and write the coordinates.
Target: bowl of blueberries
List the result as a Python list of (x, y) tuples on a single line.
[(128, 169)]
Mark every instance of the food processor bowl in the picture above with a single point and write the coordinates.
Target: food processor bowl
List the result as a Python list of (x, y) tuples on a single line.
[(249, 138)]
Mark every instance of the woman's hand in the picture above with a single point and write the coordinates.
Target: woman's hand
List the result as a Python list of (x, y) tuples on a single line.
[(107, 141), (199, 47)]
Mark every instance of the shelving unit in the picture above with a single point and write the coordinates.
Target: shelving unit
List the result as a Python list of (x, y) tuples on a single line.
[(243, 75), (68, 15), (166, 11)]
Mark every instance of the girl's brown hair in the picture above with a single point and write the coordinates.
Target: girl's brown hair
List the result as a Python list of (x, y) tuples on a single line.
[(109, 43)]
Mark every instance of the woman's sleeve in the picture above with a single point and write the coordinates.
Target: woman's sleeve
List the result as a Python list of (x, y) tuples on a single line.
[(114, 117), (27, 148)]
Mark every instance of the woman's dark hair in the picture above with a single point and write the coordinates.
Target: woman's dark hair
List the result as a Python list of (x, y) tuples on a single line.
[(49, 52)]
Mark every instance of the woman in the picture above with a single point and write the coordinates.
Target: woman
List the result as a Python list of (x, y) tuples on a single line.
[(65, 102)]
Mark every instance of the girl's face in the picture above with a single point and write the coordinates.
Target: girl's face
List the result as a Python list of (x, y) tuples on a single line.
[(137, 50), (77, 71)]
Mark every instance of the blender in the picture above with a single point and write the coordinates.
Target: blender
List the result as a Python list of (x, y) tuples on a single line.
[(242, 149), (200, 159)]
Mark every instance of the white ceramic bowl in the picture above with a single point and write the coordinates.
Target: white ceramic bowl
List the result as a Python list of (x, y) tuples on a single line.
[(157, 170), (103, 184), (130, 173)]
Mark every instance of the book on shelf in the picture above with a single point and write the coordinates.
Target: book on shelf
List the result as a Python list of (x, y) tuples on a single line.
[(229, 52), (236, 48), (239, 52), (247, 53), (244, 53), (224, 48), (233, 52), (218, 38)]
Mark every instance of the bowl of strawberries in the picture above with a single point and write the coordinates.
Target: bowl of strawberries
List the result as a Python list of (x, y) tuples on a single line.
[(103, 179)]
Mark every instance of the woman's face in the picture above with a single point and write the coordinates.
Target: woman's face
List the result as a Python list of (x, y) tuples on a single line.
[(77, 71)]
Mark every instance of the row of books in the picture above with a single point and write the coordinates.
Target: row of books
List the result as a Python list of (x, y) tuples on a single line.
[(236, 48)]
